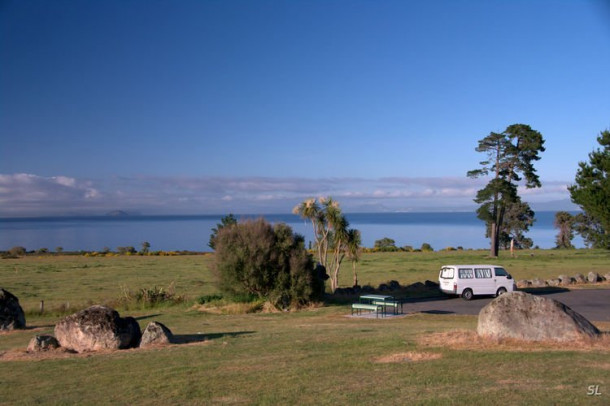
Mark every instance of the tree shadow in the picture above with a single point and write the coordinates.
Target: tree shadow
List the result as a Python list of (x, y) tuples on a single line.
[(437, 312), (196, 338)]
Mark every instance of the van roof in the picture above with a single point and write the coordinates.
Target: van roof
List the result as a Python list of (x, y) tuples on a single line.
[(472, 266)]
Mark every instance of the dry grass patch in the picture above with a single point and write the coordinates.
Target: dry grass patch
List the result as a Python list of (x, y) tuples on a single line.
[(470, 340), (411, 356)]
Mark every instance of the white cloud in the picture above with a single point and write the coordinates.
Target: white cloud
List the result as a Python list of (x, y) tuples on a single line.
[(32, 195)]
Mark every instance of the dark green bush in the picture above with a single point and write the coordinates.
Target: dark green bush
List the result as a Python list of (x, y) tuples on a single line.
[(256, 259)]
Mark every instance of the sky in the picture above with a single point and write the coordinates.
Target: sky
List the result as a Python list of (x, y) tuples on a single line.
[(211, 107)]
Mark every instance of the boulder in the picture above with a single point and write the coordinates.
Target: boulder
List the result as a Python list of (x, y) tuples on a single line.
[(97, 328), (155, 334), (532, 318), (566, 279), (431, 285), (593, 277), (538, 283), (11, 313), (607, 276), (523, 283), (42, 343), (553, 282), (579, 278)]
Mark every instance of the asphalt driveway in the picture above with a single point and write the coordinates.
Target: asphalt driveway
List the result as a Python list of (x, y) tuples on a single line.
[(594, 304)]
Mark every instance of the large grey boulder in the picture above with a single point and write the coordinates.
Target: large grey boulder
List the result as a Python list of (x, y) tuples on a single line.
[(533, 318), (97, 328), (579, 278), (156, 334), (566, 279), (593, 277), (42, 343), (11, 313)]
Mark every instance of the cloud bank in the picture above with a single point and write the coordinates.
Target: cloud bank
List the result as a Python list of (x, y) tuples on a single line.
[(34, 195)]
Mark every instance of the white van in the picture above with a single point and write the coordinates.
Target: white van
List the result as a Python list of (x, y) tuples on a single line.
[(470, 280)]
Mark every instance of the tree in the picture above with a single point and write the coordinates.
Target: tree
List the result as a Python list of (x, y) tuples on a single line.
[(145, 248), (226, 221), (564, 221), (510, 155), (354, 241), (518, 219), (385, 244), (591, 192), (331, 232), (269, 262)]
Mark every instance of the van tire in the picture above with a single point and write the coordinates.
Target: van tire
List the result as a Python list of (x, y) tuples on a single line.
[(467, 294), (500, 291)]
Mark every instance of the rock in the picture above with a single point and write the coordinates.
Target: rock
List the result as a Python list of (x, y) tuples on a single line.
[(417, 286), (431, 285), (533, 318), (579, 278), (156, 334), (97, 328), (553, 282), (42, 343), (593, 277), (383, 287), (566, 279), (538, 283), (11, 313), (394, 285), (607, 276), (523, 283)]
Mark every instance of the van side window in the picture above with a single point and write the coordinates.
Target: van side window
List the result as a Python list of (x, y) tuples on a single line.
[(465, 273), (482, 272), (501, 272)]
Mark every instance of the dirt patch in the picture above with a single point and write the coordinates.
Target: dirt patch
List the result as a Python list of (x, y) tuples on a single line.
[(470, 340), (411, 356)]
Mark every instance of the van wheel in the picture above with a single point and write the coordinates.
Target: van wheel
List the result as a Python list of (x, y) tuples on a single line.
[(500, 291), (467, 294)]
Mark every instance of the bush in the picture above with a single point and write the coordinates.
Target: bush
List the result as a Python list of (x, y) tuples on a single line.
[(386, 245), (17, 251), (254, 258), (425, 247)]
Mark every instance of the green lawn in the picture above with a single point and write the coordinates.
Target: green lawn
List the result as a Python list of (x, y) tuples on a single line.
[(316, 356)]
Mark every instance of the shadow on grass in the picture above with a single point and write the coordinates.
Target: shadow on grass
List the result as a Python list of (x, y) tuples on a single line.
[(196, 338)]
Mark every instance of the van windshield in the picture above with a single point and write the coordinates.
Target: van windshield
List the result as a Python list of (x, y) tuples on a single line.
[(447, 273)]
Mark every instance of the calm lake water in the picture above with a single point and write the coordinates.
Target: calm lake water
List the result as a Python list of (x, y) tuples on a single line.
[(192, 233)]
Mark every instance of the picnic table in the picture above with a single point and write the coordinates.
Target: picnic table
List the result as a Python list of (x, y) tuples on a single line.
[(378, 304)]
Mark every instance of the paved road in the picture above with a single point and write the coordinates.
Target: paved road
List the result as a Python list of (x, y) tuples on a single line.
[(594, 304)]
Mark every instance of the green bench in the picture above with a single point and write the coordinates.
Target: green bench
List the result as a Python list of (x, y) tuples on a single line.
[(367, 306), (396, 304)]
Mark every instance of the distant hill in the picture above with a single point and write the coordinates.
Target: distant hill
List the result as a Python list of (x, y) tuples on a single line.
[(117, 213)]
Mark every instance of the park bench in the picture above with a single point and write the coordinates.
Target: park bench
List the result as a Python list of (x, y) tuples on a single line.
[(367, 306), (395, 304)]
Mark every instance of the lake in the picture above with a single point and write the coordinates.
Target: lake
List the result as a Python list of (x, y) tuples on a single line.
[(175, 233)]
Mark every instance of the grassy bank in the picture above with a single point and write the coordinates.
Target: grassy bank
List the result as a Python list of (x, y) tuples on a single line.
[(316, 356)]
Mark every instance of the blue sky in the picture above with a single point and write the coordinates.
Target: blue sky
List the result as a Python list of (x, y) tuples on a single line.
[(252, 106)]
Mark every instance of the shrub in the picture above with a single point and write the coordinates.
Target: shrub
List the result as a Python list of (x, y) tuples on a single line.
[(425, 247), (17, 251), (254, 258), (386, 245)]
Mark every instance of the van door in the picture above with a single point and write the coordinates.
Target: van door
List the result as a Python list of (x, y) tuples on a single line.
[(485, 284), (503, 279)]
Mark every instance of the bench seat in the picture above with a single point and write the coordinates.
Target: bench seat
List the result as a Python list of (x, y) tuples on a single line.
[(366, 306)]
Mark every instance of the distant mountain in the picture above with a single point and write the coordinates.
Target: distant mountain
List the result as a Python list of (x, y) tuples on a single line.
[(117, 213)]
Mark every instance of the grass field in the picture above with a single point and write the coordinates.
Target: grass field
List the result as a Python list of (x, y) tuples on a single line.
[(315, 356)]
